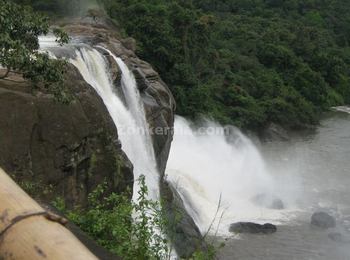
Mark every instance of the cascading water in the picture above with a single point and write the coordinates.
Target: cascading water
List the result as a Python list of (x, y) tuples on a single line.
[(129, 119), (209, 168)]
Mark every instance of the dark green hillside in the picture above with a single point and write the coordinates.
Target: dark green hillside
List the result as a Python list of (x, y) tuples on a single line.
[(245, 62), (238, 61)]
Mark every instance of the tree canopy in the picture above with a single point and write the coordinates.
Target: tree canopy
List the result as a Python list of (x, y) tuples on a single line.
[(19, 48), (245, 62)]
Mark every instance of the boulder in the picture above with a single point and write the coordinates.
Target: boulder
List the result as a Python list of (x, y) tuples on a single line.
[(323, 220), (268, 201), (335, 236), (252, 228), (274, 132)]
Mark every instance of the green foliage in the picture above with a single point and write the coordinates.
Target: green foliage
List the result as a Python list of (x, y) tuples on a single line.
[(240, 62), (209, 254), (245, 62), (19, 49), (130, 230), (56, 7)]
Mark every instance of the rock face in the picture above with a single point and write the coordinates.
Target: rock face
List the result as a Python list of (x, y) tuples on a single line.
[(67, 150), (323, 220), (73, 148), (252, 228), (268, 201), (157, 99), (184, 233), (54, 149)]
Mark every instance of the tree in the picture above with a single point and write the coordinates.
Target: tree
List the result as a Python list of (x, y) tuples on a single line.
[(19, 49)]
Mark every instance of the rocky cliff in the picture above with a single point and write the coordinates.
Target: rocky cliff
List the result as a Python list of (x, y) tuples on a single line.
[(61, 150), (54, 149), (157, 98)]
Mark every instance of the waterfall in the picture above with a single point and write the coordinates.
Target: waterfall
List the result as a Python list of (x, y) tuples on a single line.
[(209, 167), (206, 168), (129, 118)]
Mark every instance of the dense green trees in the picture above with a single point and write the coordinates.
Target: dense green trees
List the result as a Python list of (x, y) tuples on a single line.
[(56, 7), (245, 62), (19, 48)]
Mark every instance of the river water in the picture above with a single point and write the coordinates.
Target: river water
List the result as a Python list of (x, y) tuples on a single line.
[(313, 174)]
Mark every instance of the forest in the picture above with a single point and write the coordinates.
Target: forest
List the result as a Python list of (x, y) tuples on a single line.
[(239, 62)]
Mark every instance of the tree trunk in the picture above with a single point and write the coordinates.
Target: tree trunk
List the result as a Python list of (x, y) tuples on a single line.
[(28, 232)]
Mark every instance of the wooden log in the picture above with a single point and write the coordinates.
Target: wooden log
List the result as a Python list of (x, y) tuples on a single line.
[(28, 232)]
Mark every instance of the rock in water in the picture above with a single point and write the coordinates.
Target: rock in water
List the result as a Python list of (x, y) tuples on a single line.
[(335, 236), (323, 220), (252, 228), (274, 132), (268, 201)]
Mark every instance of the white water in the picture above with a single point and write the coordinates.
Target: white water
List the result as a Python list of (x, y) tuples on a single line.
[(345, 109), (205, 167), (129, 117), (130, 121), (48, 41)]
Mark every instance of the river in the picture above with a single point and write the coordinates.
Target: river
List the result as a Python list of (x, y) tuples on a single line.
[(313, 174)]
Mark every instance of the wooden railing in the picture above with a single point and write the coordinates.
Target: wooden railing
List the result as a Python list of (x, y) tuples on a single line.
[(28, 232)]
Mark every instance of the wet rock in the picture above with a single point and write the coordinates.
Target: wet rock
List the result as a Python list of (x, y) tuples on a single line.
[(114, 70), (274, 132), (252, 228), (60, 150), (182, 230), (335, 236), (141, 80), (323, 220), (268, 201), (158, 100), (129, 43)]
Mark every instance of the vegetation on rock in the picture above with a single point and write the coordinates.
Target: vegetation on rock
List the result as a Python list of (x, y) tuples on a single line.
[(131, 230), (108, 220), (19, 49)]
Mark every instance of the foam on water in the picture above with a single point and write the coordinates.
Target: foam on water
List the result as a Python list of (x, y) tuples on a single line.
[(210, 168), (345, 109)]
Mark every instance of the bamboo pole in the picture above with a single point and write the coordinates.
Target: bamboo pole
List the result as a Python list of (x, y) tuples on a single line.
[(28, 232)]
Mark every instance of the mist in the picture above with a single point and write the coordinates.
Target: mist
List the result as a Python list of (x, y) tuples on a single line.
[(214, 167)]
